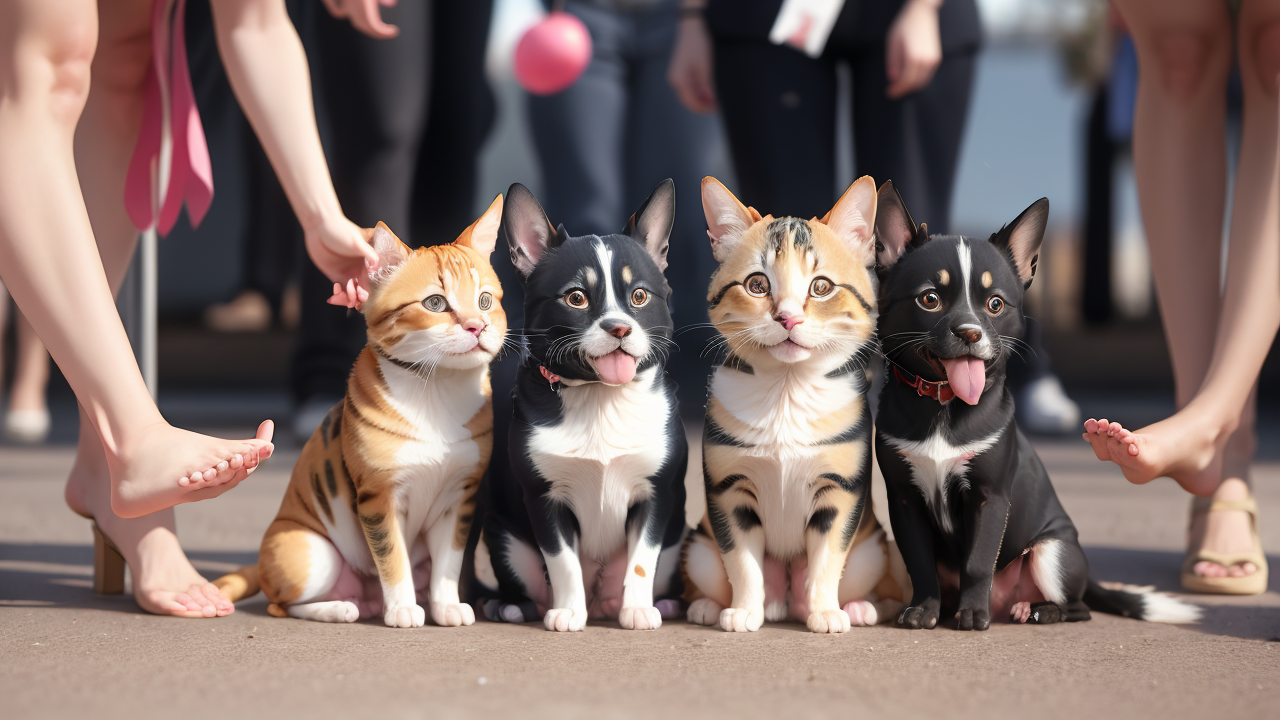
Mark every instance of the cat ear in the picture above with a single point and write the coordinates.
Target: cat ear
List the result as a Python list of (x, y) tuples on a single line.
[(527, 228), (482, 235), (854, 215), (391, 252), (1022, 238), (896, 231), (651, 224), (727, 219)]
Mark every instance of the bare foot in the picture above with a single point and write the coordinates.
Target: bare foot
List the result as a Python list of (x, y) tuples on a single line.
[(1223, 531), (164, 582), (1182, 447), (167, 466)]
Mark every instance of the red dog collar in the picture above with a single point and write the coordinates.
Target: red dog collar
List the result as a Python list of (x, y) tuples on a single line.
[(940, 391)]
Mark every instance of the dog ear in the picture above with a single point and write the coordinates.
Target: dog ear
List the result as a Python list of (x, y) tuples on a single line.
[(391, 252), (1021, 239), (727, 219), (651, 224), (482, 235), (527, 228), (853, 217), (896, 230)]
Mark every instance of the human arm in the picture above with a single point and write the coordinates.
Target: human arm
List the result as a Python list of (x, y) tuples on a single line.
[(913, 47), (691, 71)]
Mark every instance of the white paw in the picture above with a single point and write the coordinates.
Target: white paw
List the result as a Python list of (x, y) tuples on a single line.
[(704, 611), (741, 619), (565, 619), (828, 621), (776, 611), (407, 615), (861, 613), (452, 614), (1020, 612), (640, 618)]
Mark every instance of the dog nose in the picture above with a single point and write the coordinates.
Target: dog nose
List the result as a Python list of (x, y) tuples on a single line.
[(616, 328), (788, 320), (968, 333), (475, 327)]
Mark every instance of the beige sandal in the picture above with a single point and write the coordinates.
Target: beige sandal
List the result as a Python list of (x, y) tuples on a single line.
[(1253, 584)]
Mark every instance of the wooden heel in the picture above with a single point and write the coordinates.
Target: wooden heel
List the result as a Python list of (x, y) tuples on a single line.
[(108, 565)]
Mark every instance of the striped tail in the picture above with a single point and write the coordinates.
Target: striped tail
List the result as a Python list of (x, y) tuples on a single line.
[(1141, 603), (238, 585)]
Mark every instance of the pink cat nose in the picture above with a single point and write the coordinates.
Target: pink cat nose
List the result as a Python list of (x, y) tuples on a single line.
[(789, 321), (475, 327)]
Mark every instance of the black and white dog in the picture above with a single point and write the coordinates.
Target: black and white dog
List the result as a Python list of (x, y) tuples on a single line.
[(973, 511), (591, 519)]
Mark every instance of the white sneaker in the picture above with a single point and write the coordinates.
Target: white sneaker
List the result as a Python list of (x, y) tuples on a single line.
[(310, 414), (29, 427), (1045, 409)]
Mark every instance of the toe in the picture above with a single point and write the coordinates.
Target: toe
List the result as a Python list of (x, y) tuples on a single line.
[(1090, 425), (236, 462), (1209, 570)]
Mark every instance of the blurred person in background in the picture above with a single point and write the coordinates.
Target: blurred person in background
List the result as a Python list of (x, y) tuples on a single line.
[(27, 420), (912, 64), (403, 90), (607, 141), (1186, 49)]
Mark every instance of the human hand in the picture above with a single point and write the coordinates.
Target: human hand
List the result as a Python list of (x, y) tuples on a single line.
[(913, 47), (689, 73), (341, 251), (365, 16)]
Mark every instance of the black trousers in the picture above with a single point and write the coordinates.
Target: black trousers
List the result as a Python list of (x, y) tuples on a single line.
[(392, 160)]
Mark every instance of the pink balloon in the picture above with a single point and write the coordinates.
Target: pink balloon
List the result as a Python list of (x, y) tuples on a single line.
[(553, 54)]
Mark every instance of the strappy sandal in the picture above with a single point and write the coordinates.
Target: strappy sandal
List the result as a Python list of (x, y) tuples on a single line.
[(1253, 584)]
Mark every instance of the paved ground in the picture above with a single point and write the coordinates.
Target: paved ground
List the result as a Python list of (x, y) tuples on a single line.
[(65, 651)]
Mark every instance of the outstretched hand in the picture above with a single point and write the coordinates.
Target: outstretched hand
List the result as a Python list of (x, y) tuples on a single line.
[(365, 16), (913, 48), (341, 251)]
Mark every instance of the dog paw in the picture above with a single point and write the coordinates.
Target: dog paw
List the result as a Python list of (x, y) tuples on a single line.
[(973, 619), (1020, 612), (452, 614), (406, 615), (668, 608), (565, 619), (924, 615), (861, 613), (828, 621), (1045, 613), (704, 611), (741, 619), (640, 618)]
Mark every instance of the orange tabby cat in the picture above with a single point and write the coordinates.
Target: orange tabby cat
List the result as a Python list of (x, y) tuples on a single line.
[(381, 501)]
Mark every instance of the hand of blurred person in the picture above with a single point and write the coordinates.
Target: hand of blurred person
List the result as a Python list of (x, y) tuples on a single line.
[(691, 66), (342, 251), (913, 47), (365, 16)]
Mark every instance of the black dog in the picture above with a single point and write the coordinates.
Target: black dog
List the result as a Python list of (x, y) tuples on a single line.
[(973, 510), (591, 520)]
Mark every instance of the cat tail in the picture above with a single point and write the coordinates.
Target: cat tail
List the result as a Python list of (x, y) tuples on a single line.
[(238, 585)]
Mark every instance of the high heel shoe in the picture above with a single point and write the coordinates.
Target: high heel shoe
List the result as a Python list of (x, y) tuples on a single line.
[(108, 564), (1252, 584), (29, 427)]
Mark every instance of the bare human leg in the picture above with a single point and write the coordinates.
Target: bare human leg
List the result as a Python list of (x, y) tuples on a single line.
[(54, 272)]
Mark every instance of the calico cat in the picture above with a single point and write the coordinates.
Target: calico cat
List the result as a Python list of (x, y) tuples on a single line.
[(380, 504), (787, 442), (590, 520)]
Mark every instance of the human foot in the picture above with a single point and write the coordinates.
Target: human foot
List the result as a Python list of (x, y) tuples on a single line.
[(167, 466), (1223, 532), (164, 582), (1185, 449)]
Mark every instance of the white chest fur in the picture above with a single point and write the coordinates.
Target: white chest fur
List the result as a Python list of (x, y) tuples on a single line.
[(935, 463), (599, 458)]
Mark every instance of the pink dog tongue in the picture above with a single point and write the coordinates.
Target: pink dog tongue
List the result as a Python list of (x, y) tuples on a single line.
[(616, 368), (967, 376)]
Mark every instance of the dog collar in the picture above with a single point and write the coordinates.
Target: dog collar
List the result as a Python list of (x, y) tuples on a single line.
[(940, 391)]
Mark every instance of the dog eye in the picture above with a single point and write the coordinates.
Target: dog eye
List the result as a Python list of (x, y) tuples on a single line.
[(436, 303), (757, 285), (821, 287), (639, 297), (576, 299), (486, 301), (929, 300), (995, 305)]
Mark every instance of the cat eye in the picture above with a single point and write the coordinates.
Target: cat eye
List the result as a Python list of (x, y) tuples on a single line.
[(929, 300), (639, 297), (821, 287), (576, 299), (486, 301), (995, 305), (757, 285), (436, 303)]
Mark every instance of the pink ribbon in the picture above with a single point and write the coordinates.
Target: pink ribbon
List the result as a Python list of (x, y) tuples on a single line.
[(190, 172)]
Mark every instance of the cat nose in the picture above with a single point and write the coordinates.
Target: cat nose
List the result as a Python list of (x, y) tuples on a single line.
[(788, 320), (475, 327), (968, 333), (616, 328)]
